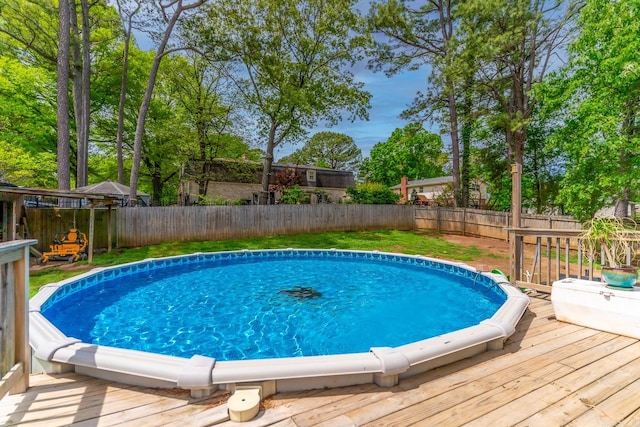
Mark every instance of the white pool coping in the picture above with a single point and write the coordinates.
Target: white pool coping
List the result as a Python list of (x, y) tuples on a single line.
[(55, 352)]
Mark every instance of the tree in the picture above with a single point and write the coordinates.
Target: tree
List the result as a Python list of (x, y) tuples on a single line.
[(205, 104), (64, 178), (32, 32), (417, 36), (127, 11), (411, 152), (293, 56), (176, 8), (598, 98), (328, 150), (508, 46)]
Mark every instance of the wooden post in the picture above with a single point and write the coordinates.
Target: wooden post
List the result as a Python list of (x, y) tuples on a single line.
[(14, 320), (23, 351), (464, 221), (516, 194), (92, 220), (109, 227), (513, 256)]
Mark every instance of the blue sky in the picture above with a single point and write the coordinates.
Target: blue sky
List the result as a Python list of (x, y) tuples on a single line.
[(390, 96)]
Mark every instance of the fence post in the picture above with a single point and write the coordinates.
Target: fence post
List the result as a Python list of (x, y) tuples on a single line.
[(464, 221)]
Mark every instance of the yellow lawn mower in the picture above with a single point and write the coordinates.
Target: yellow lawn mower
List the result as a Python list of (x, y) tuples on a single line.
[(69, 246)]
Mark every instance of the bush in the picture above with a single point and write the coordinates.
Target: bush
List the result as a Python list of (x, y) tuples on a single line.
[(371, 193), (294, 196)]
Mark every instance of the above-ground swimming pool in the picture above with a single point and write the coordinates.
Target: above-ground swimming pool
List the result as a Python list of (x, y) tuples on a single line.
[(300, 318)]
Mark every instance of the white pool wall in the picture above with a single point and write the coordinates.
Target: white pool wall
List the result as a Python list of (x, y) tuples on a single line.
[(54, 352)]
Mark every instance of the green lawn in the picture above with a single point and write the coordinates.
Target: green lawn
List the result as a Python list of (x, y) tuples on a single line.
[(408, 242)]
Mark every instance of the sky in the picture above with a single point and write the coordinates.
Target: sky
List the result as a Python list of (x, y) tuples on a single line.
[(390, 96)]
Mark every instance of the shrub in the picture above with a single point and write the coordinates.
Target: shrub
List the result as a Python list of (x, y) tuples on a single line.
[(371, 193), (294, 196)]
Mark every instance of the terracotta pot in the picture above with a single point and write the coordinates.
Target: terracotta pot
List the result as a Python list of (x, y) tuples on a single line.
[(620, 277)]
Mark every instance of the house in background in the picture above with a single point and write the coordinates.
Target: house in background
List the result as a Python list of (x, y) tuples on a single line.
[(240, 181), (437, 191)]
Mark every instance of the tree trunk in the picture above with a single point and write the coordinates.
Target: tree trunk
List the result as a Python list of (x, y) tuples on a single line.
[(123, 90), (266, 169), (455, 145), (144, 108), (62, 97), (83, 151), (76, 89), (466, 159), (146, 101)]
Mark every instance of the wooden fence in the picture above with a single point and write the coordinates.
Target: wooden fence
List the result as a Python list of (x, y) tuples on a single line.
[(15, 355), (147, 226), (482, 223), (43, 224)]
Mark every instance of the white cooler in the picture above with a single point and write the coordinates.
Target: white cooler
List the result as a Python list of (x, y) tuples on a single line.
[(594, 305)]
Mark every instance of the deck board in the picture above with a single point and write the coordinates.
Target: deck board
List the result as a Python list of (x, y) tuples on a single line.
[(549, 373)]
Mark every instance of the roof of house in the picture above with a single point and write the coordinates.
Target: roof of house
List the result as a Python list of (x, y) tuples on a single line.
[(229, 170), (428, 181)]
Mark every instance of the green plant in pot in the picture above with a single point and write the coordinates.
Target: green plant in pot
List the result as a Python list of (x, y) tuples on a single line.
[(615, 241)]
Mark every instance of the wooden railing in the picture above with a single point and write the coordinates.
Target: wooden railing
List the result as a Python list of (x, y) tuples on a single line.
[(15, 355), (538, 257)]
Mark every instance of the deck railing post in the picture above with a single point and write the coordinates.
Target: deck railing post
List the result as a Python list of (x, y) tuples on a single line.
[(14, 296)]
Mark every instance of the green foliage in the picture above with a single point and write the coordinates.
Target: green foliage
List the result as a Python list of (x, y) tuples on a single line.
[(223, 170), (371, 193), (21, 167), (596, 97), (411, 152), (608, 235), (295, 56), (328, 150), (294, 196), (217, 201), (27, 107)]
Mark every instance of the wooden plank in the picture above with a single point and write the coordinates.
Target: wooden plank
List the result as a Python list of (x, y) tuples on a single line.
[(436, 392), (462, 401), (612, 410), (11, 378), (112, 400), (168, 411), (516, 406), (587, 387)]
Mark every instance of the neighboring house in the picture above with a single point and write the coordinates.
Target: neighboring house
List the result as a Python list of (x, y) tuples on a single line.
[(432, 191), (240, 180)]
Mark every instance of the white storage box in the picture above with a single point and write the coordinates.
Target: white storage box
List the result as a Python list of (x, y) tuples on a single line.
[(594, 305)]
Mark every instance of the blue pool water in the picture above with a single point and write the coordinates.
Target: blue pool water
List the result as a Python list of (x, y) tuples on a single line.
[(266, 304)]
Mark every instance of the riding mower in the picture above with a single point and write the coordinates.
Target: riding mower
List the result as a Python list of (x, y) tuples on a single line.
[(68, 246)]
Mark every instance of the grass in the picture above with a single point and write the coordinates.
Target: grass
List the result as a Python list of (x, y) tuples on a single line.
[(407, 242)]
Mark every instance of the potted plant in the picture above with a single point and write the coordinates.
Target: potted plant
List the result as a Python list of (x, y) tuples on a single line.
[(613, 239)]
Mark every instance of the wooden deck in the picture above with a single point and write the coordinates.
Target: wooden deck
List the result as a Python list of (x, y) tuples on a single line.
[(549, 374)]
